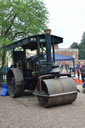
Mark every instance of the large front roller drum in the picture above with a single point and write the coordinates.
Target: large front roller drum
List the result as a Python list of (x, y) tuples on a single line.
[(15, 82), (57, 92)]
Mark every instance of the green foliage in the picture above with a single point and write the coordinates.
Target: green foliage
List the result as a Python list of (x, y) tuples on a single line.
[(21, 18), (74, 45), (82, 53), (83, 39), (82, 47)]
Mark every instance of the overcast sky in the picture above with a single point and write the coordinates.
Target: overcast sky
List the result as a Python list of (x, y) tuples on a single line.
[(67, 19)]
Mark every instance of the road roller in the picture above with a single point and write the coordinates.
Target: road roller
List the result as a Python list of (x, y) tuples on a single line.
[(34, 68)]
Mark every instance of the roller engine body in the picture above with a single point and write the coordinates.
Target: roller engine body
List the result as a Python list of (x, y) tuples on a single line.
[(38, 73)]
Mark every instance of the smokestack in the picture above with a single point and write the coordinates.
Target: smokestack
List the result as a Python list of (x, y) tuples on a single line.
[(47, 31), (48, 45)]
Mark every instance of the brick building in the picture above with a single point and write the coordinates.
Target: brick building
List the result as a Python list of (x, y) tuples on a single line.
[(68, 52)]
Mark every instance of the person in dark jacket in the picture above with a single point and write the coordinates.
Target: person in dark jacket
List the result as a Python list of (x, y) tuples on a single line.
[(83, 72), (78, 67), (66, 67)]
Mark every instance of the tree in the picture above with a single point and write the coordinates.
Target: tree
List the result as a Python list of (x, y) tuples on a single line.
[(20, 18), (74, 45), (82, 47)]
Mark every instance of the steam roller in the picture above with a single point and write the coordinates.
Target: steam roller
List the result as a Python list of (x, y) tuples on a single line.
[(38, 72)]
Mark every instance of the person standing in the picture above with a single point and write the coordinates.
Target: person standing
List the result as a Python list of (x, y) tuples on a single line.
[(78, 67), (67, 67), (83, 72), (61, 66)]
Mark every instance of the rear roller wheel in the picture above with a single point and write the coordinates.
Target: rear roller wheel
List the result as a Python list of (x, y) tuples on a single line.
[(15, 82)]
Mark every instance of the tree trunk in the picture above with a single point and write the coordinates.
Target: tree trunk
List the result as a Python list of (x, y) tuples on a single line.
[(3, 60)]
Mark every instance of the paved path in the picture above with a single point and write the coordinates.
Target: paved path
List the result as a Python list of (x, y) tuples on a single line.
[(25, 112)]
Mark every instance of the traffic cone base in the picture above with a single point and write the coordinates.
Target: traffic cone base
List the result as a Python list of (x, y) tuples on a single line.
[(76, 80), (80, 82)]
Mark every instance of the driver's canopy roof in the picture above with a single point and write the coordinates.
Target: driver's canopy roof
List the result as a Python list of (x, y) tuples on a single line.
[(32, 42)]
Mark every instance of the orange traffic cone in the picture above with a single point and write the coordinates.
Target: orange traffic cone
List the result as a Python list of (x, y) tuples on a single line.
[(80, 78), (76, 77)]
